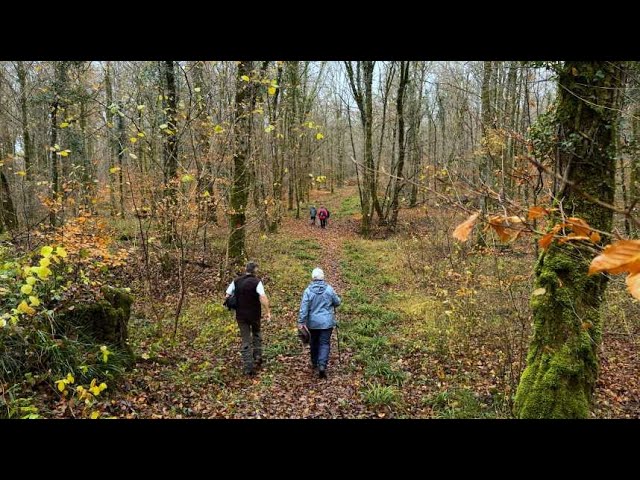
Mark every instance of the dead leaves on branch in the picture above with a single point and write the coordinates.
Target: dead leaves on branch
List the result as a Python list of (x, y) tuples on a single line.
[(507, 228), (619, 257), (577, 229)]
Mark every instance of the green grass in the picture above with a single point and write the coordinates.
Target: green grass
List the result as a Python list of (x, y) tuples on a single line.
[(458, 403), (371, 315), (377, 395), (349, 206), (381, 369)]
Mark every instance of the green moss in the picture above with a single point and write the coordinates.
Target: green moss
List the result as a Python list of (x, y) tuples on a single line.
[(119, 299), (562, 360), (102, 322)]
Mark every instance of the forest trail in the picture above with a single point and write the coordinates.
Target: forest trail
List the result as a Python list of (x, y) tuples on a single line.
[(292, 389), (199, 375)]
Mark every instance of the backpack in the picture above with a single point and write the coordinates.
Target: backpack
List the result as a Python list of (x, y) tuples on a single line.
[(328, 214), (231, 302)]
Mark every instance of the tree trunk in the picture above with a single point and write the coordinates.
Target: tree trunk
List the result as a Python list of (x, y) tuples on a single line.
[(487, 127), (8, 217), (24, 117), (170, 148), (634, 180), (562, 363), (112, 143), (245, 98), (399, 183), (59, 82), (361, 82), (122, 142)]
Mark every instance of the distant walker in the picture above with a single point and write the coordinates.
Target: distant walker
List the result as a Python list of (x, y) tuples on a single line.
[(323, 215)]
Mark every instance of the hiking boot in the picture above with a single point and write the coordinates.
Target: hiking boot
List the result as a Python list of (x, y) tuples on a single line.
[(258, 363), (322, 372), (249, 372)]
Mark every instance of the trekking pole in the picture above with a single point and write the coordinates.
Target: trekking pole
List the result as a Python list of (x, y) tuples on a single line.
[(337, 336)]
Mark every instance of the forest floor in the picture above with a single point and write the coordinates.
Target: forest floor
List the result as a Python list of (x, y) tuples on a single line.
[(428, 329)]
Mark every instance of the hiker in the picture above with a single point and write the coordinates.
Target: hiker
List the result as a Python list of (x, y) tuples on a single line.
[(323, 214), (250, 295), (317, 315), (313, 212)]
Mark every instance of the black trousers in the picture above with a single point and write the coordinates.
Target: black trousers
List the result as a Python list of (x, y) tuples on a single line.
[(251, 342)]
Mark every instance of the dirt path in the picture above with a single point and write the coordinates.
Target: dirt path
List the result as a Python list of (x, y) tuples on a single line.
[(293, 390)]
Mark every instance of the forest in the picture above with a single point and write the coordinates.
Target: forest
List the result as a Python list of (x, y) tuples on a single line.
[(458, 239)]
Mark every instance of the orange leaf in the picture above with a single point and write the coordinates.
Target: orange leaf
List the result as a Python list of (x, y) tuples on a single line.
[(579, 226), (546, 239), (573, 236), (621, 256), (463, 230), (505, 234), (594, 237), (537, 212), (633, 283), (507, 228)]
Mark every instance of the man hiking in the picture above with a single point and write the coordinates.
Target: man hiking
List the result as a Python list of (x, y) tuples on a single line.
[(323, 214), (250, 295)]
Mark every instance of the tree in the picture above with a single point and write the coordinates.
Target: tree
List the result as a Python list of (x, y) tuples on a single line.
[(242, 129), (59, 90), (170, 145), (361, 83), (562, 363), (399, 171)]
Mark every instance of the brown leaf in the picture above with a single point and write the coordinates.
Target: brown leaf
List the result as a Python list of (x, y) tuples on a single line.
[(507, 228), (537, 212), (463, 230), (579, 226), (547, 238), (633, 283), (621, 256), (573, 236)]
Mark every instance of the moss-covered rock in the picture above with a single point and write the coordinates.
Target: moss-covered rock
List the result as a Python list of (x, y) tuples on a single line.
[(102, 322)]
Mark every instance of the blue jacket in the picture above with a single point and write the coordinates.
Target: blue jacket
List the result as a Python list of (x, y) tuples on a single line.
[(316, 309)]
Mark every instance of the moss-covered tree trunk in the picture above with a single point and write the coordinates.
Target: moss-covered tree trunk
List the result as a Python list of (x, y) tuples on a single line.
[(240, 188), (562, 363)]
